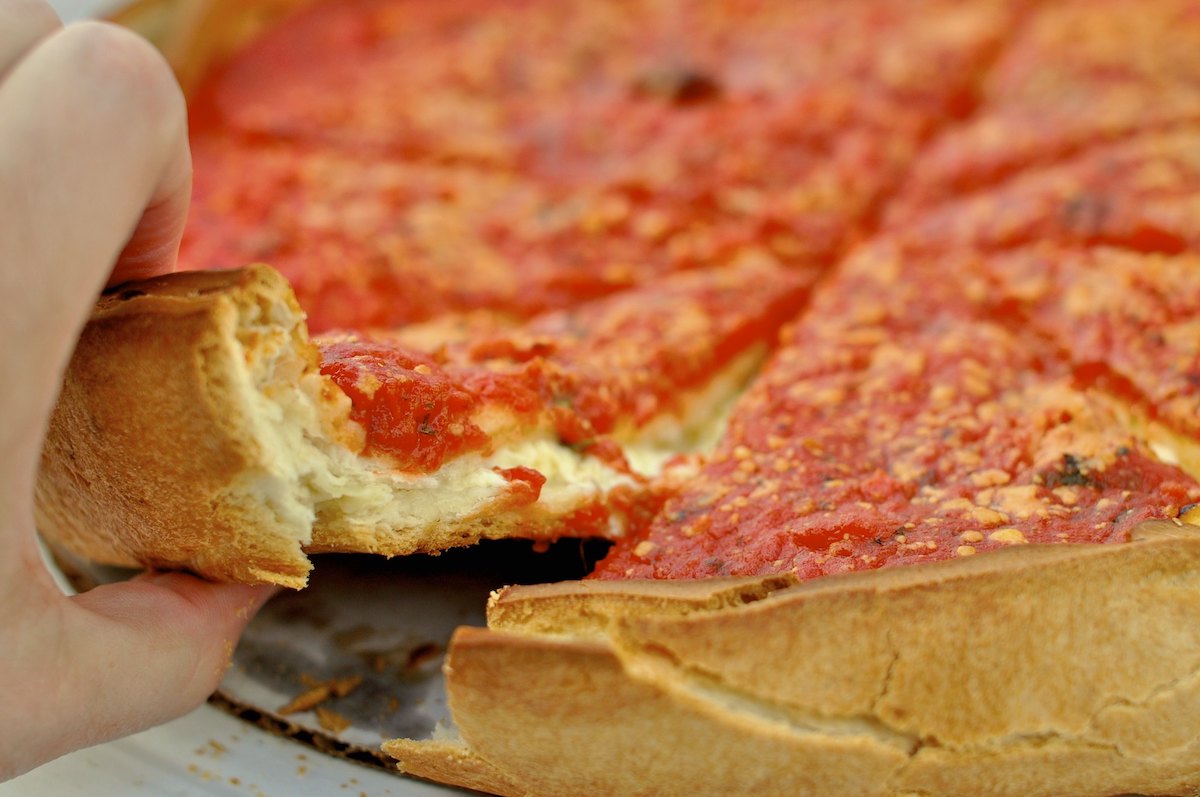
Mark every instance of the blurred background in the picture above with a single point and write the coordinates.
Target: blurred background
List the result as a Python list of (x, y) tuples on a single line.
[(71, 10)]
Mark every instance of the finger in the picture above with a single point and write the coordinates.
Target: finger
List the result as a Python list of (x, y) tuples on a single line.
[(92, 133), (175, 634), (154, 245), (23, 23), (126, 657)]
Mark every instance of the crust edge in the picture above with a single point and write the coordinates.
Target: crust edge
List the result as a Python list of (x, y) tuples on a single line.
[(713, 672)]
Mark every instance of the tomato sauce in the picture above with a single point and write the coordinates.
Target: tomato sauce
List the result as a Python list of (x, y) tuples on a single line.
[(401, 160), (856, 451), (1076, 76), (605, 368), (946, 404)]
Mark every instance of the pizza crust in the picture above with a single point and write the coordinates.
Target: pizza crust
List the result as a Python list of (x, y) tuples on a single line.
[(948, 678), (450, 762), (160, 366)]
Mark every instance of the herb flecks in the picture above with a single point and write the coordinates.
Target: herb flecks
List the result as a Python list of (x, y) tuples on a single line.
[(1071, 472)]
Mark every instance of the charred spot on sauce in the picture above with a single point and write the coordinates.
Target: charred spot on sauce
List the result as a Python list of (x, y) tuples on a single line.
[(678, 85), (1124, 516), (1085, 213), (1071, 472)]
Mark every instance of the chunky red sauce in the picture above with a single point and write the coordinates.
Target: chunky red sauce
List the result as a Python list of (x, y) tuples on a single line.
[(410, 408), (965, 381), (606, 367), (527, 483), (1136, 194), (944, 405), (1079, 75), (918, 447)]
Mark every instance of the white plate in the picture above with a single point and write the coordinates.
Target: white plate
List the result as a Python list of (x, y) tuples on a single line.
[(210, 754)]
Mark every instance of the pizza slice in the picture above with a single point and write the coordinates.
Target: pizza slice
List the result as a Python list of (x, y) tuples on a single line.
[(875, 452), (200, 427), (396, 162)]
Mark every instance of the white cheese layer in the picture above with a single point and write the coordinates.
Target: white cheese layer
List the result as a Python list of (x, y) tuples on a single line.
[(314, 474)]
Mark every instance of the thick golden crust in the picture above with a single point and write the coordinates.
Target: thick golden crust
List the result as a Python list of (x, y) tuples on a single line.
[(572, 721), (1038, 670), (157, 370)]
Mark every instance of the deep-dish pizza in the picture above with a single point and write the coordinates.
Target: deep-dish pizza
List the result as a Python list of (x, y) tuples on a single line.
[(866, 331)]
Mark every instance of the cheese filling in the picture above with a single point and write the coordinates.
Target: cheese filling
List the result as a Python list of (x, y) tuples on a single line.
[(319, 484)]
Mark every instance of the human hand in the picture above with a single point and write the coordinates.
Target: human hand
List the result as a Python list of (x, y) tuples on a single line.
[(95, 177)]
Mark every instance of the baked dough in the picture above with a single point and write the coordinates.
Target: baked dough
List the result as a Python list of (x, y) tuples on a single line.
[(154, 454), (1038, 670)]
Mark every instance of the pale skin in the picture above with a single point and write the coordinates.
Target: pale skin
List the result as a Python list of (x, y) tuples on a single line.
[(94, 184)]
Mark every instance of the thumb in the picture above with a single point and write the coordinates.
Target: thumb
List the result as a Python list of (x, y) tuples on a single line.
[(166, 638), (125, 657)]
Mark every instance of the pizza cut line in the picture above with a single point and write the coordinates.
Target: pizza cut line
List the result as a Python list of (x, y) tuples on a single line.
[(875, 358)]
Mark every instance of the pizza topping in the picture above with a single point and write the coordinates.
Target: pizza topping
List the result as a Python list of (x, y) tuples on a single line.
[(398, 162), (906, 410), (526, 483), (411, 409), (595, 376), (1137, 193), (680, 85), (1077, 76), (651, 198)]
